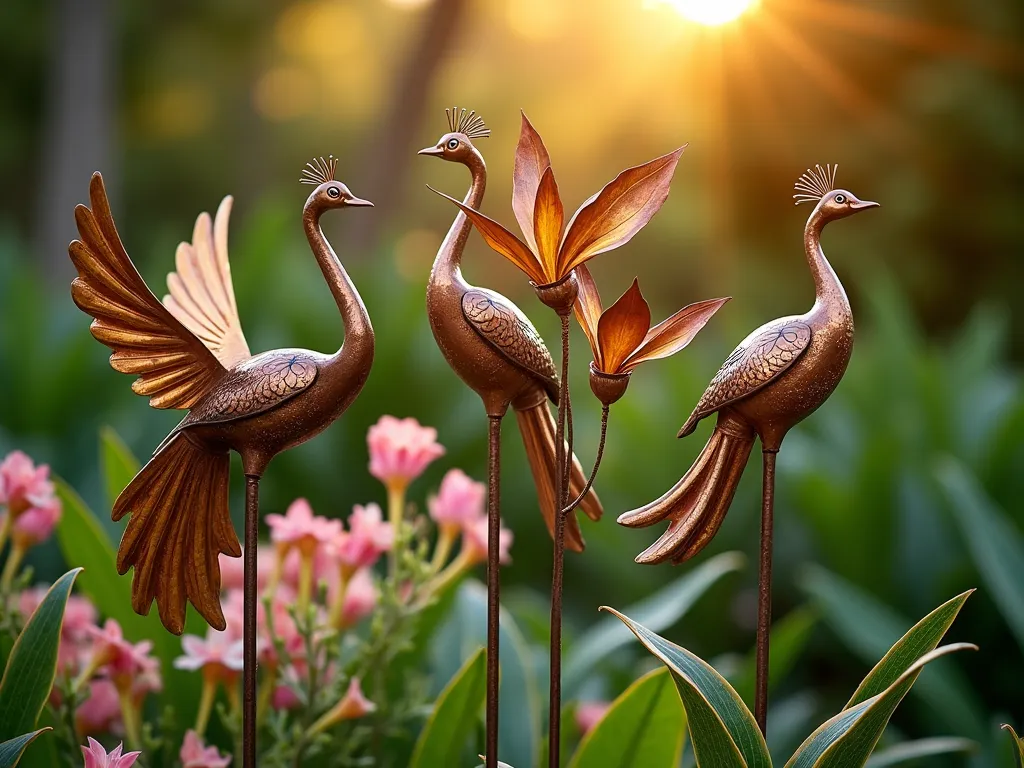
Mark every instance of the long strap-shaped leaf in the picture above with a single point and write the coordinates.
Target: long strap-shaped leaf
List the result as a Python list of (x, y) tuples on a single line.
[(1018, 746), (455, 716), (722, 729), (847, 740), (12, 749), (32, 665), (919, 640)]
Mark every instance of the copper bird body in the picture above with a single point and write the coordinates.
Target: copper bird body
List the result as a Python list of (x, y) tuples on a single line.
[(189, 353), (776, 377), (494, 348)]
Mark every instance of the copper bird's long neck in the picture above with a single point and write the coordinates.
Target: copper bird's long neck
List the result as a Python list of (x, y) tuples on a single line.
[(829, 292), (357, 350), (448, 263)]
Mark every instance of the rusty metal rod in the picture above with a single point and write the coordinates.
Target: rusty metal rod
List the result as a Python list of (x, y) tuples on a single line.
[(493, 586), (250, 599), (764, 590)]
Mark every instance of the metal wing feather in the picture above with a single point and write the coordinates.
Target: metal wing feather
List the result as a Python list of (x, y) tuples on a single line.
[(175, 370), (201, 295), (504, 326), (754, 364)]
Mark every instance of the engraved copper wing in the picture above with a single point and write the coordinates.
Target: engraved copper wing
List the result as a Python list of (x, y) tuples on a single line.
[(201, 295), (503, 325), (175, 369), (752, 365)]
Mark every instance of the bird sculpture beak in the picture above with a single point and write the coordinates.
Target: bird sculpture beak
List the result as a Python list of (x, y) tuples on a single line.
[(359, 202), (862, 205), (431, 151)]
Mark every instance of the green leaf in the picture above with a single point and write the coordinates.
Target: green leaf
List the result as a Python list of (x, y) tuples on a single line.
[(1018, 745), (455, 716), (996, 546), (849, 738), (868, 628), (32, 665), (788, 639), (909, 751), (119, 464), (12, 749), (722, 729), (919, 640), (83, 542), (645, 726), (461, 635), (657, 612)]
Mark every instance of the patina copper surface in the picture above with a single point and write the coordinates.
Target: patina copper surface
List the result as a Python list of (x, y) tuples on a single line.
[(189, 353), (777, 376)]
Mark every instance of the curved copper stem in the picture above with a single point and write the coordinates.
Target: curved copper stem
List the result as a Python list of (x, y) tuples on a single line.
[(558, 566), (764, 590), (597, 463)]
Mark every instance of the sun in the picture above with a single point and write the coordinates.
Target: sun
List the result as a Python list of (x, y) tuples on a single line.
[(711, 13)]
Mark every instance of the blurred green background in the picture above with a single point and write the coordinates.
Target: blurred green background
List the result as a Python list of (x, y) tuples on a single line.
[(907, 484)]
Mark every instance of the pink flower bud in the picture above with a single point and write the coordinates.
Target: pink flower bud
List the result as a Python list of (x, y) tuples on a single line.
[(474, 541), (195, 755), (367, 539), (35, 524), (96, 756), (23, 484), (459, 500), (361, 597)]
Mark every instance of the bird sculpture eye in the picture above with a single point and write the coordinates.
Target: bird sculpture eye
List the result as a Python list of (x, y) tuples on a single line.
[(333, 192), (840, 199), (453, 143)]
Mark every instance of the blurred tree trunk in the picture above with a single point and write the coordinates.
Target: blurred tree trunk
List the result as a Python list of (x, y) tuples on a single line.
[(387, 163), (78, 125)]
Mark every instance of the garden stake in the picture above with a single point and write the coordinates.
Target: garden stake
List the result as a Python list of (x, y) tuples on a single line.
[(189, 353), (776, 377), (494, 348)]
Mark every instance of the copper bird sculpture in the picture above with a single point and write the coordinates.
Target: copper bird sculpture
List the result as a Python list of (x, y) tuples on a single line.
[(776, 377), (189, 353), (494, 348)]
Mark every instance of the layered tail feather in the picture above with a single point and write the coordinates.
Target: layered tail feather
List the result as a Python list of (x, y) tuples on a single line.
[(696, 505), (537, 426), (179, 525)]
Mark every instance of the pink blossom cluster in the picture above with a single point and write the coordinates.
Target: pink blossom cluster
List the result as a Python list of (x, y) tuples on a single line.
[(29, 508), (458, 509)]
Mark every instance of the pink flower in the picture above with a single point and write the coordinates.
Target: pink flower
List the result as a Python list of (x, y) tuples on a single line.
[(121, 658), (459, 500), (101, 711), (367, 539), (474, 541), (35, 524), (284, 698), (325, 568), (232, 569), (301, 528), (361, 597), (79, 617), (353, 704), (589, 714), (23, 484), (218, 651), (96, 756), (400, 449), (147, 680), (194, 755)]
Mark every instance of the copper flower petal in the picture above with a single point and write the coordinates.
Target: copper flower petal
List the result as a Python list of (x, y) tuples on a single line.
[(531, 160), (588, 309), (548, 218), (622, 328), (674, 333), (502, 241), (620, 210)]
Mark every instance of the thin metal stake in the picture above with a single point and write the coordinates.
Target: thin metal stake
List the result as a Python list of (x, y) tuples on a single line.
[(250, 598), (764, 589)]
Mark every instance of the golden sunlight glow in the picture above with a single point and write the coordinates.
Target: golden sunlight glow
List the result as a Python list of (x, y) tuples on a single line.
[(711, 13)]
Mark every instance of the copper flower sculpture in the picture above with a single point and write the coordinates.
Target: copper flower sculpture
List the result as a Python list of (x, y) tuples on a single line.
[(551, 253), (621, 337)]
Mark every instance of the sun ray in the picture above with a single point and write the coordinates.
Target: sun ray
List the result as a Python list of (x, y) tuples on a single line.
[(888, 129), (912, 34)]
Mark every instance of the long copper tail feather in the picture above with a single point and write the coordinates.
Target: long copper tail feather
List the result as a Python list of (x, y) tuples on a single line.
[(179, 523), (696, 505), (537, 426)]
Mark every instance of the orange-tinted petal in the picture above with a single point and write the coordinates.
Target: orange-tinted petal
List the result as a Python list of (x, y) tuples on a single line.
[(671, 335), (620, 210), (548, 218), (531, 160), (502, 241), (588, 309), (622, 328)]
